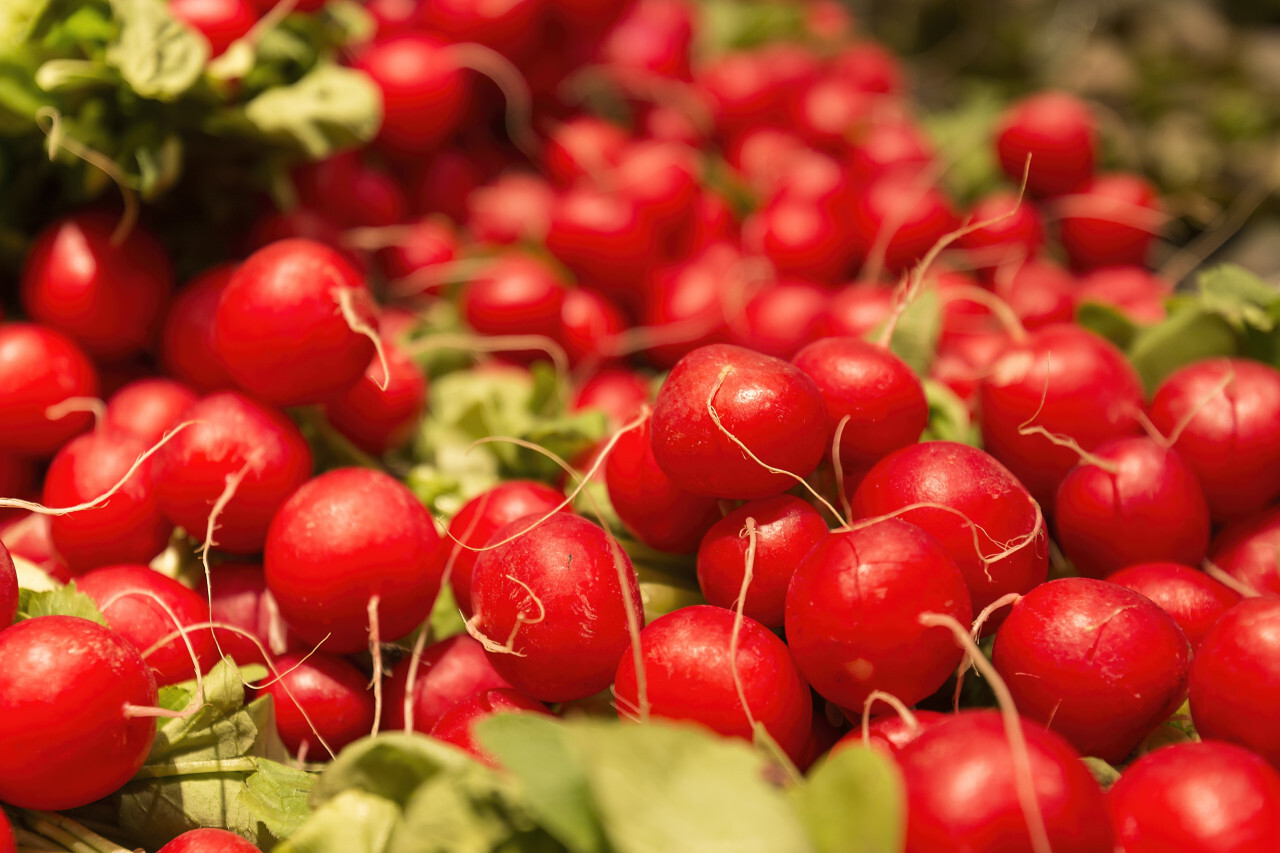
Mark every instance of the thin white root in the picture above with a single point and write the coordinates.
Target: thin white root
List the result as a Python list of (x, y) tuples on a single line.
[(342, 295), (375, 652), (49, 120), (634, 624), (739, 605), (1244, 588), (897, 704), (838, 468), (411, 681), (74, 405), (197, 699), (233, 482)]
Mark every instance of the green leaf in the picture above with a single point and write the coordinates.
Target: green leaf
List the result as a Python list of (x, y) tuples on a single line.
[(63, 601), (66, 75), (1108, 321), (219, 729), (352, 822), (1238, 296), (965, 131), (1191, 333), (948, 416), (351, 20), (157, 56), (277, 797), (853, 802), (390, 766), (1104, 773), (328, 109), (446, 621), (915, 339), (20, 97), (19, 19)]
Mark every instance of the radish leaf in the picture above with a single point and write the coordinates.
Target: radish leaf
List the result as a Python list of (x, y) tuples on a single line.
[(853, 802), (63, 601)]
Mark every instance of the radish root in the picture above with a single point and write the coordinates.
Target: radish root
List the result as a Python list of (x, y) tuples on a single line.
[(838, 469), (897, 704), (515, 89), (411, 682), (375, 652), (49, 120), (1026, 429), (739, 605), (197, 699), (343, 296), (74, 405), (976, 633)]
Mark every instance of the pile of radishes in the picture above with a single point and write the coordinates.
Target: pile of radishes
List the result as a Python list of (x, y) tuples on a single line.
[(751, 265)]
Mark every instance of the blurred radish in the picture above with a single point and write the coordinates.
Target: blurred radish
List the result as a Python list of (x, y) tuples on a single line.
[(188, 350), (425, 93), (40, 368), (1059, 133), (148, 408), (219, 21), (1112, 220), (208, 840), (457, 725)]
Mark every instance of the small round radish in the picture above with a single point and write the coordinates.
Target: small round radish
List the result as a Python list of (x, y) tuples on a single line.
[(616, 391), (1058, 131), (377, 419), (515, 294), (1112, 220), (552, 608), (1249, 551), (188, 350), (653, 36), (602, 237), (856, 309), (446, 182), (589, 321), (785, 529), (1099, 664), (320, 696), (448, 672), (107, 298), (513, 208), (508, 27), (208, 840), (583, 146), (1235, 678), (231, 437), (427, 243), (343, 538), (780, 319), (424, 92), (281, 329), (869, 66), (28, 536), (1137, 293), (40, 368), (351, 192), (219, 21), (1192, 598), (1040, 293), (1208, 796), (148, 408), (853, 607), (457, 725), (1148, 507), (240, 599), (886, 147), (962, 790), (1011, 239), (8, 588), (891, 732), (66, 736), (914, 214), (689, 658), (685, 304), (753, 395)]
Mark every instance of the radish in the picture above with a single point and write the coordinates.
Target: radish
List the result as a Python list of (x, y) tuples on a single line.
[(219, 21), (457, 725), (898, 218), (1192, 598), (235, 445), (722, 405), (1220, 415), (239, 598), (855, 310), (1136, 293), (425, 93), (616, 391), (891, 732), (381, 411), (513, 208), (780, 319), (685, 304), (8, 589), (852, 613), (702, 666), (28, 537), (426, 246), (350, 192), (208, 840), (661, 179), (1059, 133), (40, 368), (783, 530), (1249, 551), (583, 146), (654, 36), (961, 786), (68, 734), (320, 700), (7, 844), (889, 146), (188, 350), (1131, 500), (294, 323), (348, 543), (1040, 292), (1007, 240), (869, 66), (1207, 796), (550, 607), (1111, 220), (603, 237), (148, 408), (447, 181), (1235, 679), (445, 674), (1097, 663), (830, 110), (515, 294), (509, 28), (589, 323), (107, 296), (802, 240)]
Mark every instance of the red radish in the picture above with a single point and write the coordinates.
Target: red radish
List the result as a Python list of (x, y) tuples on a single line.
[(802, 240), (68, 737), (1112, 220), (447, 673), (785, 529), (301, 222), (350, 192), (855, 310), (695, 670), (1192, 598), (589, 323), (582, 147), (513, 208), (891, 732), (208, 840), (661, 179), (550, 606), (8, 589), (718, 400), (319, 697), (424, 92), (1208, 796), (1099, 664), (40, 368), (869, 66), (377, 419), (765, 156), (1235, 679), (781, 318), (685, 305), (1221, 416), (219, 21), (962, 786), (885, 147), (7, 844), (233, 441), (671, 123), (342, 539), (481, 517), (148, 408), (188, 350), (447, 181), (1059, 133), (108, 298), (743, 92), (1131, 500), (1135, 292), (515, 294), (993, 529), (1249, 551), (903, 216), (287, 324), (426, 244), (240, 599), (853, 607), (391, 17), (457, 725), (509, 27), (652, 506), (875, 389), (140, 605), (830, 110), (1064, 380), (616, 391), (1040, 293), (1008, 240), (654, 36), (602, 236), (28, 537)]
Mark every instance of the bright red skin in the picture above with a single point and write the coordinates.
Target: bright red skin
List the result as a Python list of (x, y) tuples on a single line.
[(125, 595), (1020, 235), (855, 310), (107, 298), (1192, 598), (332, 692), (1208, 797), (881, 395), (351, 192), (786, 528), (616, 391), (923, 215), (870, 66), (589, 321), (127, 528), (377, 420), (1151, 509), (427, 243), (446, 183), (743, 92), (1235, 679), (1099, 664), (1040, 292), (513, 207), (517, 294), (690, 299), (654, 36), (425, 94), (602, 237), (191, 471), (689, 674), (885, 147), (567, 563), (240, 598), (449, 672), (1090, 393), (39, 368), (979, 489), (1249, 551), (662, 180), (481, 517), (8, 588), (507, 27), (66, 741), (457, 725), (582, 147), (279, 329), (28, 536), (7, 844), (766, 155), (1113, 220), (1058, 131), (853, 608), (651, 505), (208, 840), (342, 538), (1230, 433), (148, 408), (830, 109), (188, 351), (769, 405), (781, 318), (890, 731), (1135, 292), (219, 21), (962, 794), (802, 240)]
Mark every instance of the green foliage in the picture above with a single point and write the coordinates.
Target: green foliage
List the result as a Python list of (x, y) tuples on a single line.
[(63, 601), (853, 802)]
